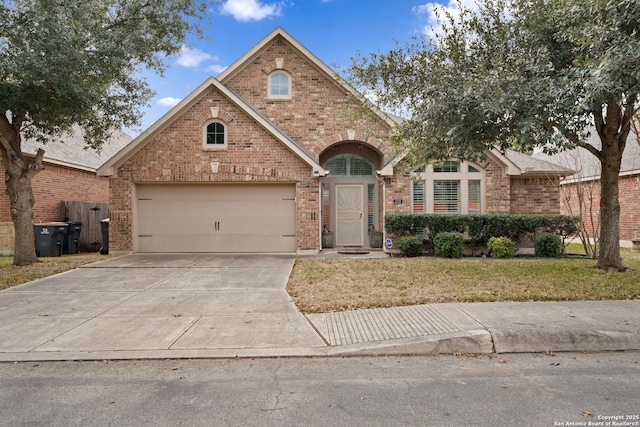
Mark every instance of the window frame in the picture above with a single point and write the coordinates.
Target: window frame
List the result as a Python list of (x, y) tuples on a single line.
[(270, 77), (348, 159), (425, 180), (205, 132)]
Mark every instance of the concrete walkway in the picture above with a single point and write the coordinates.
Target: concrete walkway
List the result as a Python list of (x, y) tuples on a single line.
[(203, 306)]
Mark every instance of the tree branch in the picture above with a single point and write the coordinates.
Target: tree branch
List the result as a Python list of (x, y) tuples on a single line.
[(598, 120), (564, 131), (122, 21), (7, 134)]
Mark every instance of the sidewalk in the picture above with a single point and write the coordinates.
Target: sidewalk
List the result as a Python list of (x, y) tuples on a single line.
[(496, 327), (206, 306)]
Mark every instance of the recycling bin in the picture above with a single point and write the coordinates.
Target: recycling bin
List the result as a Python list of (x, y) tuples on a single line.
[(104, 227), (49, 238), (71, 243)]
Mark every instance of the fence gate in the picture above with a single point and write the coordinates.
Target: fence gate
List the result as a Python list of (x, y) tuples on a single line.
[(90, 215)]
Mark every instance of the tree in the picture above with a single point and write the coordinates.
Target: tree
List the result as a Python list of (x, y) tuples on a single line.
[(519, 74), (76, 62)]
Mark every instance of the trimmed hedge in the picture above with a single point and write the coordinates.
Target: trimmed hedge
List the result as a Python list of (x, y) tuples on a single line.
[(480, 228)]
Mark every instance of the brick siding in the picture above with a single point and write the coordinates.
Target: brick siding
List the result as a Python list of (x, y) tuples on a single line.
[(535, 195), (629, 196), (52, 186), (322, 116), (320, 110), (318, 116), (176, 155)]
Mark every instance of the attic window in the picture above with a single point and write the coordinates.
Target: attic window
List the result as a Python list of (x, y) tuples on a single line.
[(279, 85), (215, 136)]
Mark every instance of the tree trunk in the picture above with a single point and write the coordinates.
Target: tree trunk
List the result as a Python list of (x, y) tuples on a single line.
[(19, 171), (611, 158)]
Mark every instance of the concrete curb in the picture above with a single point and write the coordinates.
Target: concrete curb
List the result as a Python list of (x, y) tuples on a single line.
[(562, 339), (478, 342), (496, 341)]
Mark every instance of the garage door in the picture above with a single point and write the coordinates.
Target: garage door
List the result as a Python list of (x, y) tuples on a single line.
[(216, 218)]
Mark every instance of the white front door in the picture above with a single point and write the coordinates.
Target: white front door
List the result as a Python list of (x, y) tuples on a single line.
[(349, 215)]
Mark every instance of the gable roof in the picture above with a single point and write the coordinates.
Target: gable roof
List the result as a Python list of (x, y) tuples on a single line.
[(530, 165), (109, 167), (70, 150), (514, 164), (587, 167), (249, 56)]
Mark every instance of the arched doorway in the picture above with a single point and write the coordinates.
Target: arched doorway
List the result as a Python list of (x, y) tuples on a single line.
[(351, 196)]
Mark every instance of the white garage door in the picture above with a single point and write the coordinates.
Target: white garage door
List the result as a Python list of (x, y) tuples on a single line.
[(216, 218)]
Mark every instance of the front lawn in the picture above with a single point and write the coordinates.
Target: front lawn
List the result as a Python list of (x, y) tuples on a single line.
[(11, 275), (321, 285)]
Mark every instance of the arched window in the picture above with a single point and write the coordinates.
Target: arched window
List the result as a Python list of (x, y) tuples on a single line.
[(349, 165), (449, 187), (215, 135), (279, 85)]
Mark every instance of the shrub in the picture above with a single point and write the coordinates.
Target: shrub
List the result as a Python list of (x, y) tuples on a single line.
[(548, 245), (409, 245), (449, 244), (479, 228), (501, 247)]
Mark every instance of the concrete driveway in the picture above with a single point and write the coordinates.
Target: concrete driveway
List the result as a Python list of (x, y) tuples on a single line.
[(145, 305)]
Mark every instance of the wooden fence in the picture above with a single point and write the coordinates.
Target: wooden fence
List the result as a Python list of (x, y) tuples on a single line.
[(90, 215)]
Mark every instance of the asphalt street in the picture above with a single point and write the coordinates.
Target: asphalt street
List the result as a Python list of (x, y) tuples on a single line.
[(468, 390)]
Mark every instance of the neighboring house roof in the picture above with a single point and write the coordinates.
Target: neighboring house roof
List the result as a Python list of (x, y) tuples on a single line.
[(70, 150), (248, 57), (108, 168), (587, 166)]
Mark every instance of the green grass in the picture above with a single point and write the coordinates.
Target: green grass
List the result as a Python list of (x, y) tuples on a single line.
[(332, 284), (11, 275)]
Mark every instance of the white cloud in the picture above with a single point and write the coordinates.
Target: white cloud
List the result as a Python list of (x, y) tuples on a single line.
[(432, 26), (216, 69), (250, 10), (193, 57), (168, 101)]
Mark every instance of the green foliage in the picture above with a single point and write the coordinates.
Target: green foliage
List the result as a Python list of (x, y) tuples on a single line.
[(512, 74), (78, 61), (449, 244), (501, 247), (410, 246), (548, 245), (479, 228)]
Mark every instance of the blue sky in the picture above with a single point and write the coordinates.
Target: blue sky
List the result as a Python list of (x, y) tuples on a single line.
[(334, 30)]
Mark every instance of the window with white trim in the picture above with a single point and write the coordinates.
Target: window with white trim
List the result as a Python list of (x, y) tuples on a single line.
[(449, 187), (279, 85), (349, 165), (214, 135)]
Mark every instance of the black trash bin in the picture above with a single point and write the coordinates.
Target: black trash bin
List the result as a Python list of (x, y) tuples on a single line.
[(49, 238), (71, 244), (104, 227)]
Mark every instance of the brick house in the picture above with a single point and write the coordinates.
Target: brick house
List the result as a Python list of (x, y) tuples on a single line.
[(586, 181), (277, 149), (69, 175)]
